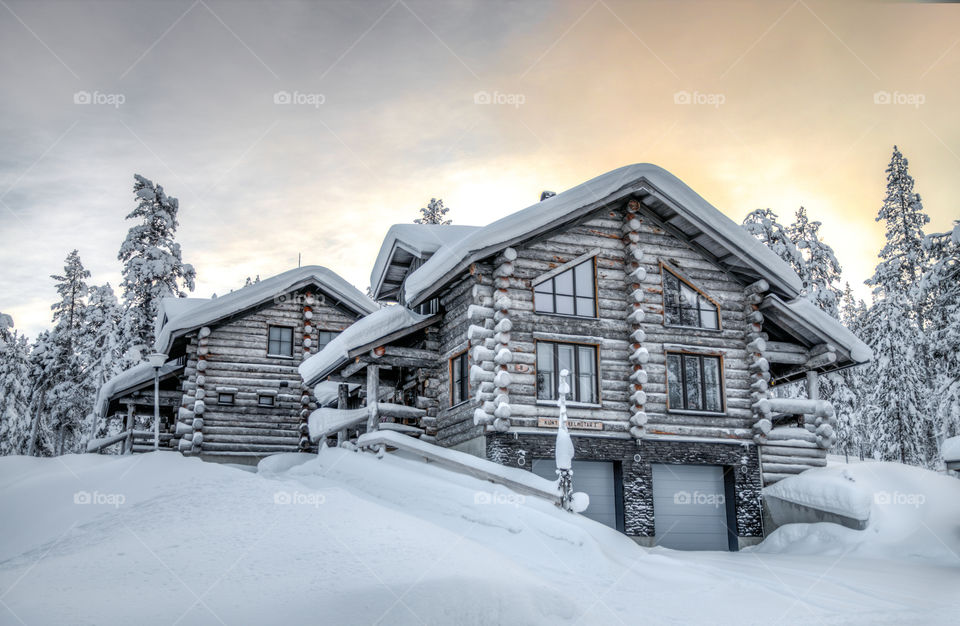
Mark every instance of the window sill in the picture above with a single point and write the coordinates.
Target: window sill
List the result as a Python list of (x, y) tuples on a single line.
[(279, 356), (696, 412), (706, 330), (570, 405)]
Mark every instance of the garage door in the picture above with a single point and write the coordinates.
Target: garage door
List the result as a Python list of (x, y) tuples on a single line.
[(596, 479), (689, 507)]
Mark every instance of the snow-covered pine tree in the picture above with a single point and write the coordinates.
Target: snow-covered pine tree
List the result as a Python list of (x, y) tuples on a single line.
[(847, 397), (940, 291), (433, 213), (41, 366), (820, 270), (14, 389), (153, 266)]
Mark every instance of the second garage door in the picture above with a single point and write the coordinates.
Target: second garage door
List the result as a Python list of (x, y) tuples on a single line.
[(597, 479), (689, 507)]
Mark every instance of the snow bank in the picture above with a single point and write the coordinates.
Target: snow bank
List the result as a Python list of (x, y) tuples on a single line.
[(913, 513), (950, 450), (374, 326), (346, 538), (275, 287), (487, 240)]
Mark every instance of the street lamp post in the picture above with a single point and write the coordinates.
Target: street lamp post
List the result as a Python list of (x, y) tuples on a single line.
[(157, 359)]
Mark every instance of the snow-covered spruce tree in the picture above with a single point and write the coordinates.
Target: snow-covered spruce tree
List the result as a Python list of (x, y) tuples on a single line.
[(40, 440), (153, 267), (14, 389), (820, 269), (764, 224), (100, 345), (433, 213), (68, 388), (847, 398), (940, 291), (899, 386)]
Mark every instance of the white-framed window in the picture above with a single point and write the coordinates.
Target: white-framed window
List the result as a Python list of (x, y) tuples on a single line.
[(580, 360), (571, 292), (280, 341), (694, 382), (685, 305)]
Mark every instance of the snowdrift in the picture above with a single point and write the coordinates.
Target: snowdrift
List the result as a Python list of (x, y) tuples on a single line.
[(347, 538), (912, 513)]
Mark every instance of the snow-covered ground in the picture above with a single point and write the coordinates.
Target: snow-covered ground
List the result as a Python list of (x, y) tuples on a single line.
[(349, 538)]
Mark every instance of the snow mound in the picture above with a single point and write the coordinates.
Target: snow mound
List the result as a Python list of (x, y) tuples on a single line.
[(913, 513)]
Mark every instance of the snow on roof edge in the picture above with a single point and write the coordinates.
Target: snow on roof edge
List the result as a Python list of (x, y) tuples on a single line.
[(513, 226), (257, 293), (128, 379), (370, 328), (422, 233), (833, 328)]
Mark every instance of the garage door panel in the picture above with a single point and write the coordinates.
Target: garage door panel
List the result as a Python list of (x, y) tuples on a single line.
[(595, 478), (689, 507)]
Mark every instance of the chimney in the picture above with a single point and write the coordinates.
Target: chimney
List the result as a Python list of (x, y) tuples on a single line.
[(547, 194)]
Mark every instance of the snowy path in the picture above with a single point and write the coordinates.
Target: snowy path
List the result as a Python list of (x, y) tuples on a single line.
[(348, 538)]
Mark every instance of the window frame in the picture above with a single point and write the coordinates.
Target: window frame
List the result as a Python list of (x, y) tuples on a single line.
[(572, 398), (262, 396), (275, 355), (667, 269), (463, 382), (551, 277), (700, 356), (334, 334), (232, 396)]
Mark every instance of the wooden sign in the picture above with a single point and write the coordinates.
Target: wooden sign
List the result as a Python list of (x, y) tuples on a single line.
[(572, 424)]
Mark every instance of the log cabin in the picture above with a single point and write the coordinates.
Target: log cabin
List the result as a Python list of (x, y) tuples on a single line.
[(230, 389), (675, 324)]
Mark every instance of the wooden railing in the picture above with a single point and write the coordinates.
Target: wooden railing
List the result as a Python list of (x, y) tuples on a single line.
[(132, 440)]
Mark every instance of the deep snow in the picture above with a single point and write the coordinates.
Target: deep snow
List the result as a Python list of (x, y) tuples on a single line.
[(350, 538)]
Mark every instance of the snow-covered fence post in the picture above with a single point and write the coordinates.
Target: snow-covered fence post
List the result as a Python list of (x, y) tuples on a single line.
[(564, 446)]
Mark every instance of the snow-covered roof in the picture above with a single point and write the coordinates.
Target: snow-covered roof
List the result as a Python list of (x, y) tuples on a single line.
[(406, 241), (950, 450), (665, 194), (129, 380), (173, 307), (805, 317), (192, 317), (377, 325)]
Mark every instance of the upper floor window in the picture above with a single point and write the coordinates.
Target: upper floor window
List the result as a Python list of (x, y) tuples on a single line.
[(280, 341), (324, 337), (694, 382), (579, 360), (571, 292), (459, 378), (683, 305), (429, 307)]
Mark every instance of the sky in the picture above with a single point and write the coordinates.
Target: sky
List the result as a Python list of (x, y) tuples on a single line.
[(294, 130)]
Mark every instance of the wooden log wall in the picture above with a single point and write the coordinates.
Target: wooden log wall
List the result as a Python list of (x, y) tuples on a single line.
[(232, 358)]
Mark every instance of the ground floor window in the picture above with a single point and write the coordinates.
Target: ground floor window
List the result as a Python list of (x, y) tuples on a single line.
[(578, 359), (694, 382)]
